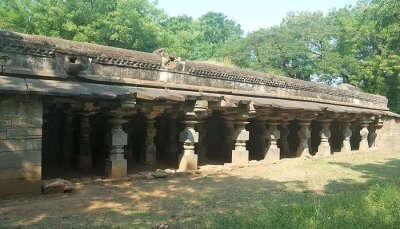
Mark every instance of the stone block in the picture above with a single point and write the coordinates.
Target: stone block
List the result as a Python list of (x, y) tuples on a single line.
[(5, 123), (17, 159), (188, 162), (26, 171), (20, 144), (26, 122), (240, 157), (117, 168), (24, 132)]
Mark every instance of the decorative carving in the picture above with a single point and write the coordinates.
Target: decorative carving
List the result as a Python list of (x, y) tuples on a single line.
[(188, 137), (240, 155), (364, 136), (117, 139), (170, 62), (324, 149)]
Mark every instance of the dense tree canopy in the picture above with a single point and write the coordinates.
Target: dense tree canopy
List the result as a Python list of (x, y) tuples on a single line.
[(359, 45)]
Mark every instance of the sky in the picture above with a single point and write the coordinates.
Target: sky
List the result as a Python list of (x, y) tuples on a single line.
[(251, 14)]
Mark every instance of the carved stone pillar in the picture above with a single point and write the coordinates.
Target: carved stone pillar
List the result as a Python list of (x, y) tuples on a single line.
[(347, 133), (324, 149), (284, 138), (304, 135), (85, 150), (173, 143), (240, 155), (364, 137), (229, 133), (68, 140), (151, 150), (273, 135), (117, 140), (202, 146), (189, 137), (374, 130)]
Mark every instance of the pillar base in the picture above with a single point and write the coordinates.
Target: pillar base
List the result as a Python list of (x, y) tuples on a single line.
[(240, 157), (273, 155), (323, 151), (188, 162), (117, 168), (364, 147)]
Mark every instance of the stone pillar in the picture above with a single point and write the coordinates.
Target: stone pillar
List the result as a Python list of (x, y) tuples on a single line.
[(68, 140), (374, 133), (151, 150), (273, 135), (347, 133), (364, 137), (117, 140), (240, 155), (188, 160), (324, 149), (202, 146), (85, 149), (229, 129), (304, 135), (284, 138), (173, 143)]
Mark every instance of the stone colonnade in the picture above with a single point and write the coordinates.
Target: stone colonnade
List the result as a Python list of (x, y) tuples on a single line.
[(192, 135)]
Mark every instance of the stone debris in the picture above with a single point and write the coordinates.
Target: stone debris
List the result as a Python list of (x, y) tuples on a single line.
[(160, 174), (161, 226), (57, 186)]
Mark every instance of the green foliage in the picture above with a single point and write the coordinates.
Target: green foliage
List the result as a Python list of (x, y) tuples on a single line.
[(120, 23)]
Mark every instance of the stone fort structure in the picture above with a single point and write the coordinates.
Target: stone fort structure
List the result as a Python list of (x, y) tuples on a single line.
[(76, 109)]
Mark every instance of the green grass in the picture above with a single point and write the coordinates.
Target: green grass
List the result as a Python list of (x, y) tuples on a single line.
[(372, 206)]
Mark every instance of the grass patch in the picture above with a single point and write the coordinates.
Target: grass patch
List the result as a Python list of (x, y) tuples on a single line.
[(372, 206)]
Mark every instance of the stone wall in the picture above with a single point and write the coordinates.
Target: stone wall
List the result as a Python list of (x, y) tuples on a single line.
[(389, 135), (20, 144)]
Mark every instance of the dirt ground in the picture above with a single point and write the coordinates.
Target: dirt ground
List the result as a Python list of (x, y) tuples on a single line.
[(185, 200)]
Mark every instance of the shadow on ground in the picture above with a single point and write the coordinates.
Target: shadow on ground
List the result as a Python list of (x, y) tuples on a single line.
[(200, 201)]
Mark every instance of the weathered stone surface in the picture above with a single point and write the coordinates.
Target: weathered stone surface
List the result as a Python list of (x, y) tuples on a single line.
[(160, 174), (20, 146), (54, 186), (324, 149), (51, 58)]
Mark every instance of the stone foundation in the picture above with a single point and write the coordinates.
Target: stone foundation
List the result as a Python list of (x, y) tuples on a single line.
[(20, 144)]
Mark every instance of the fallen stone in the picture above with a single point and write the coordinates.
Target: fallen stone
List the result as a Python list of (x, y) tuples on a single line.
[(57, 186), (160, 174), (149, 176), (162, 226)]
